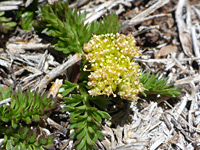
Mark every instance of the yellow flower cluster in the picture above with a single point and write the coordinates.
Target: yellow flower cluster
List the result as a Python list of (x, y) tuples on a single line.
[(113, 69)]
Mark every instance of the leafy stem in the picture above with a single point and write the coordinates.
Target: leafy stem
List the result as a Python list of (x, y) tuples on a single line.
[(155, 85), (85, 120)]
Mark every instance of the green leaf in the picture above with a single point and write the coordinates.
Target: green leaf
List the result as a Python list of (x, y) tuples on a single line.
[(4, 119), (73, 135), (104, 114), (100, 101), (22, 145), (69, 108), (76, 113), (78, 125), (154, 85), (36, 118), (68, 26), (23, 132), (2, 13), (16, 138), (9, 25), (9, 146), (81, 143), (50, 144), (91, 130), (90, 118), (81, 133), (43, 140), (99, 135), (6, 23), (75, 100), (96, 115), (81, 108), (68, 87), (26, 106), (89, 141), (28, 120), (79, 119), (27, 20), (31, 136), (14, 123)]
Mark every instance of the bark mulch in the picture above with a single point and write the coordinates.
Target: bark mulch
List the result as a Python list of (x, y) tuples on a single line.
[(167, 31)]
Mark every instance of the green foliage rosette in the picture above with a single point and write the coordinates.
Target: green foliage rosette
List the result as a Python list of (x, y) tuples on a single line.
[(69, 28), (19, 119), (113, 69)]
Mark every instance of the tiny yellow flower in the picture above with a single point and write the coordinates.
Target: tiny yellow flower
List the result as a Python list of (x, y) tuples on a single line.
[(112, 66)]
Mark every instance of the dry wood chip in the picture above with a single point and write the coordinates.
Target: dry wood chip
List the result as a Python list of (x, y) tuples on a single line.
[(31, 77), (57, 71), (164, 51), (20, 47), (19, 72), (100, 10), (5, 101), (42, 61), (78, 3), (157, 143), (195, 43), (55, 88), (4, 63), (57, 126), (10, 5), (184, 34), (151, 9), (134, 146)]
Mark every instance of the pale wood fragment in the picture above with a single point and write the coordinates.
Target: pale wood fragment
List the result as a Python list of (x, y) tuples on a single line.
[(184, 33), (103, 8), (151, 9), (55, 88), (10, 5), (140, 20), (195, 43), (57, 126), (5, 101), (57, 71)]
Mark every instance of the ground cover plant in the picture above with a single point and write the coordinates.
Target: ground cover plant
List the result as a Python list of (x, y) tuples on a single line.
[(108, 73), (112, 68)]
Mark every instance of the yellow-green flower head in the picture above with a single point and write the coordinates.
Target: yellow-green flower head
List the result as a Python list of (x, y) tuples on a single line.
[(113, 69)]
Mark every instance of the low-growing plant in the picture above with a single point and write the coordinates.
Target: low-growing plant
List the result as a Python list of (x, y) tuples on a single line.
[(26, 138), (110, 72), (69, 28), (24, 109), (27, 107), (85, 119), (107, 69)]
